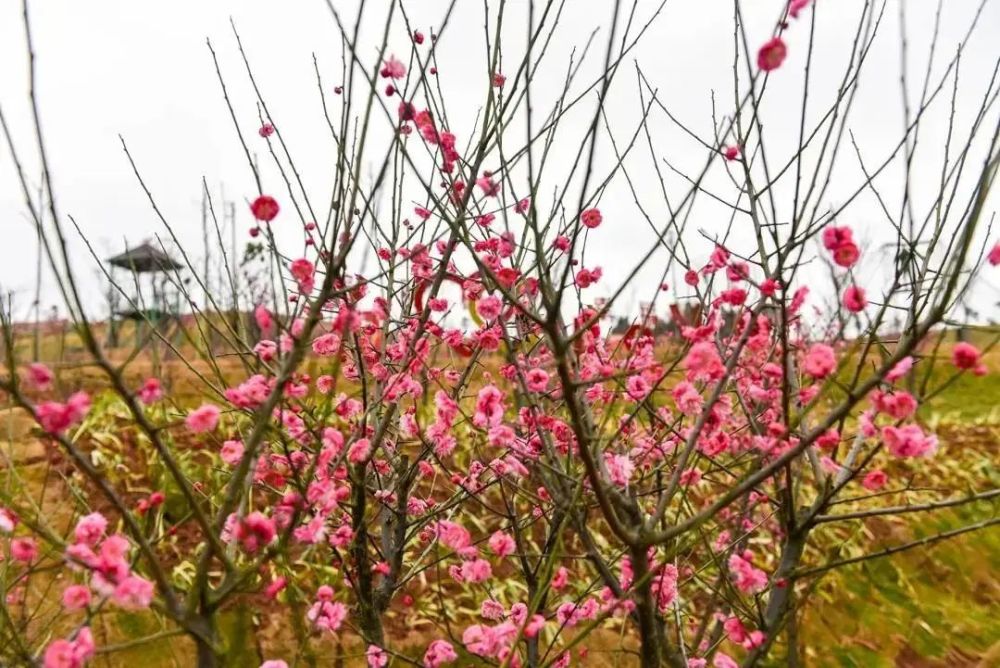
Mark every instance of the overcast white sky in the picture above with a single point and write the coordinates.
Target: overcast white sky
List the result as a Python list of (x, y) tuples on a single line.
[(142, 70)]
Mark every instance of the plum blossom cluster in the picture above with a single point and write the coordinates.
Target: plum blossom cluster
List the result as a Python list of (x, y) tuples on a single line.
[(774, 51), (105, 560), (102, 563)]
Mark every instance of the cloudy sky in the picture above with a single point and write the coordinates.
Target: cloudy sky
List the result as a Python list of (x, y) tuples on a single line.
[(143, 71)]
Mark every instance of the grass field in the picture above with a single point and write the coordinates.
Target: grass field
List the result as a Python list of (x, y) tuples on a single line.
[(936, 606)]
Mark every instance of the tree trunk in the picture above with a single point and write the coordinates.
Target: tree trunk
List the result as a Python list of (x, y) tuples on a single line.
[(207, 657), (650, 633), (206, 639), (369, 620), (782, 594)]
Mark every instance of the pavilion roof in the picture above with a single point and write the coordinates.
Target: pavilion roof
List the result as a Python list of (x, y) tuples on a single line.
[(145, 258)]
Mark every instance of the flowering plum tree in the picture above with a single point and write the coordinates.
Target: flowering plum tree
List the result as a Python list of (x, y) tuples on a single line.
[(522, 482)]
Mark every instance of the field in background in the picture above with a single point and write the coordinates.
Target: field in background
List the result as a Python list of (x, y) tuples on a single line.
[(928, 607)]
